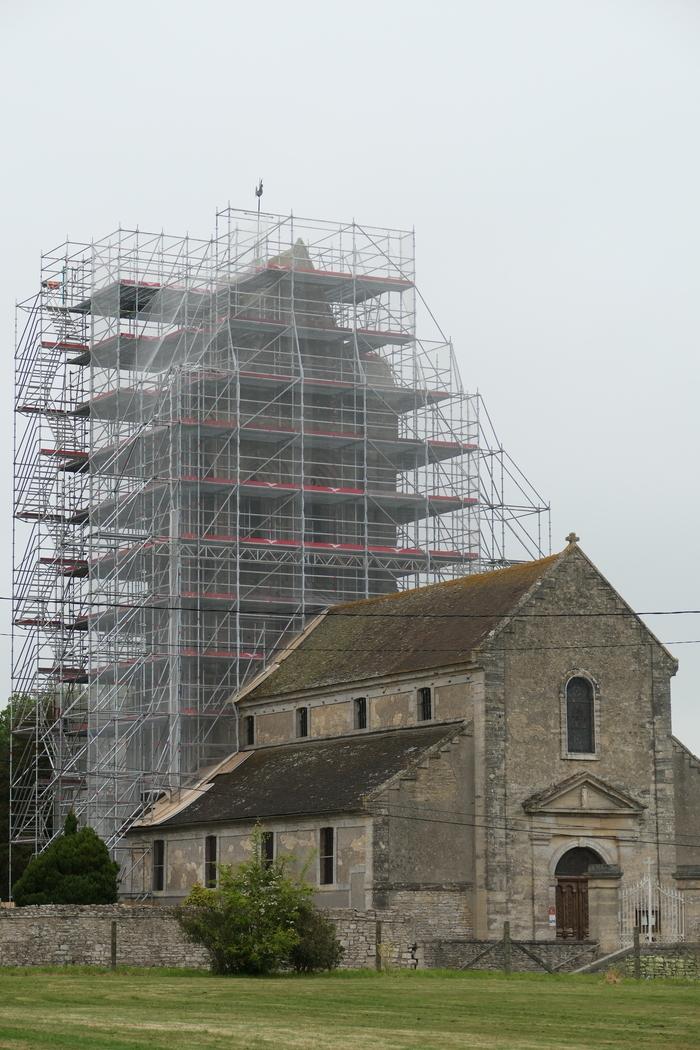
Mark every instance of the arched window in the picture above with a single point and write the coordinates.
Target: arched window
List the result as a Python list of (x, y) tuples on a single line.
[(580, 717)]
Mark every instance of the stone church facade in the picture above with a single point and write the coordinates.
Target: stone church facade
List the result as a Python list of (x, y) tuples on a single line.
[(493, 748)]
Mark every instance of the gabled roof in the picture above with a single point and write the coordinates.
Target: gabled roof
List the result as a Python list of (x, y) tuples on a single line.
[(306, 778), (408, 631)]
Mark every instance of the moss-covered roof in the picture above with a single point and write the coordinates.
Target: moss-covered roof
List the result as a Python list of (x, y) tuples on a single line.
[(310, 777), (406, 631)]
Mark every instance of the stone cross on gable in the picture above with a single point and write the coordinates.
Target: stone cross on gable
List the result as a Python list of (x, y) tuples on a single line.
[(572, 538)]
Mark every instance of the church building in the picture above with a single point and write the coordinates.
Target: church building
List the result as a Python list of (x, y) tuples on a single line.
[(497, 747)]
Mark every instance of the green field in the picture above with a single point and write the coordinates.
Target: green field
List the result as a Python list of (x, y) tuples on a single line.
[(77, 1009)]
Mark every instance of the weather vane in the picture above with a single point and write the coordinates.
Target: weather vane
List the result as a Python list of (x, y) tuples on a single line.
[(258, 194)]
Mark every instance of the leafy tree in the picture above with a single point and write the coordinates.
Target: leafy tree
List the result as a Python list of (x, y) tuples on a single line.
[(250, 922), (318, 948), (75, 869)]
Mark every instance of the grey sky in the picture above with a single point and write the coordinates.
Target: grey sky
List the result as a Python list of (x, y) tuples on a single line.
[(546, 152)]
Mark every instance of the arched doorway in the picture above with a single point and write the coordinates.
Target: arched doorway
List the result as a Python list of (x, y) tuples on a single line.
[(572, 892)]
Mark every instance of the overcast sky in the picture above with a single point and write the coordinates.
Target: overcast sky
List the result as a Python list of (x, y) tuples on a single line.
[(547, 153)]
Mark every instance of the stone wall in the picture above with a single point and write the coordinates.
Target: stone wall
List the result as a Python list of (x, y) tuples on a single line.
[(433, 911), (296, 838), (678, 960), (686, 779), (422, 849), (559, 956), (149, 935), (374, 939), (388, 707), (58, 935)]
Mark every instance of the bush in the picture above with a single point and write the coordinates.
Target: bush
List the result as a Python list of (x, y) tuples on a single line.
[(75, 869), (318, 948), (248, 923), (258, 919)]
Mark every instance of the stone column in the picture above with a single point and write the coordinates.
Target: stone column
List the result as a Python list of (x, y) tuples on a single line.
[(604, 906), (543, 886)]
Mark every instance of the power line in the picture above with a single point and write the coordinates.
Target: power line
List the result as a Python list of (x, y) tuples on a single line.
[(334, 611), (451, 817), (167, 646), (551, 829)]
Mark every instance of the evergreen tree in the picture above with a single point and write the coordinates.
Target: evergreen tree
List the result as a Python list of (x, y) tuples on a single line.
[(20, 853), (75, 869)]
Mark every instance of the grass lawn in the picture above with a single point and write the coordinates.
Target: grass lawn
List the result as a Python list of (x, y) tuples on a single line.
[(78, 1008)]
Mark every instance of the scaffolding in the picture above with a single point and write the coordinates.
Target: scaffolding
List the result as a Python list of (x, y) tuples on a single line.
[(214, 440)]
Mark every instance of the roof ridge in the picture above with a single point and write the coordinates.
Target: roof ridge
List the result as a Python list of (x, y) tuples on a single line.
[(463, 581)]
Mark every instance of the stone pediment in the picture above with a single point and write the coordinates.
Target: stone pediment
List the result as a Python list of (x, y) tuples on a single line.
[(583, 793)]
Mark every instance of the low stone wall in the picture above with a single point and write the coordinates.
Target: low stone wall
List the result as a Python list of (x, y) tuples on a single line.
[(58, 935), (149, 935), (433, 913), (676, 960), (559, 956), (374, 939)]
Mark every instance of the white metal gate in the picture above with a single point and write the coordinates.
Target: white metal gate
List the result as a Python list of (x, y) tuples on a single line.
[(657, 910)]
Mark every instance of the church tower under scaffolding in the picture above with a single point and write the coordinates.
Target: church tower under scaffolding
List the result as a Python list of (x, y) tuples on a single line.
[(215, 440)]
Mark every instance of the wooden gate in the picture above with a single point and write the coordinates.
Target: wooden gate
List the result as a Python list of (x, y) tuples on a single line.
[(572, 907)]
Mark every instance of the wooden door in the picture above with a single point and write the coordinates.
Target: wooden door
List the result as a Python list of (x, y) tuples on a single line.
[(572, 907)]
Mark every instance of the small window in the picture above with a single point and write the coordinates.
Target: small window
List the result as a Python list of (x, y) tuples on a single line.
[(210, 860), (158, 864), (327, 856), (302, 721), (580, 721), (360, 705), (249, 730), (425, 704), (267, 848)]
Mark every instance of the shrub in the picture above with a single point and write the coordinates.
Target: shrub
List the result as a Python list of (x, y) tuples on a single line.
[(318, 948), (75, 869), (248, 923), (259, 919)]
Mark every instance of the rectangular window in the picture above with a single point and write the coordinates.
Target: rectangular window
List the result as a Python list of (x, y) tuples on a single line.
[(360, 705), (210, 859), (302, 721), (327, 856), (249, 730), (158, 864), (425, 704), (267, 848)]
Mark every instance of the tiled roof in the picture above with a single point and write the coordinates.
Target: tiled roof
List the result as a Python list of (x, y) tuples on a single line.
[(407, 631), (309, 777)]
